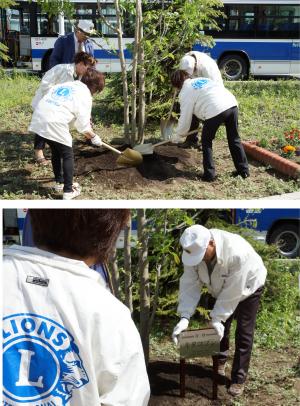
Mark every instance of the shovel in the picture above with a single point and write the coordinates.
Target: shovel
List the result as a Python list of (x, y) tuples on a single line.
[(167, 125), (148, 149), (128, 157)]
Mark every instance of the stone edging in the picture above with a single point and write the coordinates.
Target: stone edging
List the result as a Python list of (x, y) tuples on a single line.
[(277, 162)]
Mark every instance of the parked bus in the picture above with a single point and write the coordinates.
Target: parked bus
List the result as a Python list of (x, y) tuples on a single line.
[(30, 35), (274, 226), (257, 38)]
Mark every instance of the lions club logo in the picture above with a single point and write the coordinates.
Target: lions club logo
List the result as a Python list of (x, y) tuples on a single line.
[(199, 83), (41, 362), (62, 93)]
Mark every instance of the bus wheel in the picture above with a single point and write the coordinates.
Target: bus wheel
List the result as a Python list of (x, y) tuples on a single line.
[(234, 67), (286, 237)]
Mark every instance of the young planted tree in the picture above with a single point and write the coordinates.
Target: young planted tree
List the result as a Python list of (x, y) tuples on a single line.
[(164, 31)]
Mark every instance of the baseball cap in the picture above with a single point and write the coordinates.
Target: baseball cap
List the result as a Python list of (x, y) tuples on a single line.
[(86, 26), (187, 64), (194, 241)]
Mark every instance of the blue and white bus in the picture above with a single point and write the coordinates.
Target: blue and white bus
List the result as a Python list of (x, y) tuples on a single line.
[(30, 34), (257, 37), (260, 38)]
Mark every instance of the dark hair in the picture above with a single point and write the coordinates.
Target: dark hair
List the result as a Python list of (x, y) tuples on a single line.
[(94, 80), (87, 59), (79, 232), (178, 77)]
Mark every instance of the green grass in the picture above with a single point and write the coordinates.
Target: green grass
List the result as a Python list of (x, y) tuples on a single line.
[(267, 109)]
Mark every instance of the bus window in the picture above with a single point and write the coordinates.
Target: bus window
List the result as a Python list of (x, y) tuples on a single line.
[(279, 19), (108, 10), (240, 17), (46, 25)]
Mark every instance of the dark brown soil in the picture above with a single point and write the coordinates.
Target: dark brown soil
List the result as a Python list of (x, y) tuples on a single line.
[(167, 162), (271, 381), (165, 389)]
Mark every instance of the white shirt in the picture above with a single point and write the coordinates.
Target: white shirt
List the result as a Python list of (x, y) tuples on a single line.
[(67, 340), (58, 74), (64, 104), (203, 98), (77, 45), (238, 273), (206, 67)]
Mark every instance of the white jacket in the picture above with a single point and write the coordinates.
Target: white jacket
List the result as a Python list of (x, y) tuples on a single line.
[(238, 273), (65, 104), (58, 74), (206, 67), (205, 99), (66, 340)]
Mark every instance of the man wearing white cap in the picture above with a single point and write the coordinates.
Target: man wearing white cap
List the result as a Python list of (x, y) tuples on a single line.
[(198, 64), (68, 45), (234, 275)]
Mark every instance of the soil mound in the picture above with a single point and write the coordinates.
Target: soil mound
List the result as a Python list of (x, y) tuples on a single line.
[(166, 163)]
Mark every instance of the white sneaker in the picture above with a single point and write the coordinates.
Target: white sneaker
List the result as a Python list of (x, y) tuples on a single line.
[(71, 195), (59, 187)]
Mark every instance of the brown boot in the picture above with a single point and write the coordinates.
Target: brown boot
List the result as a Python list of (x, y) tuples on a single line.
[(236, 389)]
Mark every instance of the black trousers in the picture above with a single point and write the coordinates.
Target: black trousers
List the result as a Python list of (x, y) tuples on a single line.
[(39, 142), (194, 126), (62, 163), (230, 119), (245, 315)]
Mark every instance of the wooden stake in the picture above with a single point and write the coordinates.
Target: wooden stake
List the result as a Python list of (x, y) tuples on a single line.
[(182, 377)]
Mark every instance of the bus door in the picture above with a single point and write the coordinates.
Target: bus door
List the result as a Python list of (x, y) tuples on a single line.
[(17, 34)]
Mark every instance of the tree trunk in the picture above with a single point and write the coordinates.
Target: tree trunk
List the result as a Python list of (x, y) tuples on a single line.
[(144, 281), (127, 266), (123, 70), (115, 276), (134, 78), (142, 73)]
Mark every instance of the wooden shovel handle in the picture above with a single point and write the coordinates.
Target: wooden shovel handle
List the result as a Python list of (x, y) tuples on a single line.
[(111, 148), (181, 135)]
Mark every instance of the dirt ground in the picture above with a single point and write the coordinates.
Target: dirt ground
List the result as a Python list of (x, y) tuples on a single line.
[(170, 173), (272, 381)]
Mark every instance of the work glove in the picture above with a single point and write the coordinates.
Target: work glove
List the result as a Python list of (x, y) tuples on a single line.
[(176, 138), (182, 325), (219, 327), (96, 140)]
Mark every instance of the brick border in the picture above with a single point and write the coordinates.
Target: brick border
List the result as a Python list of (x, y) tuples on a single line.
[(277, 162)]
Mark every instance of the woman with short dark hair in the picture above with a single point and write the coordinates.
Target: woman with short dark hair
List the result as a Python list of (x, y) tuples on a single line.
[(66, 339), (59, 74), (67, 104)]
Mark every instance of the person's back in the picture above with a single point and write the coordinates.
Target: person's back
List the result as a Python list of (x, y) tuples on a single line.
[(208, 97), (66, 103), (66, 339)]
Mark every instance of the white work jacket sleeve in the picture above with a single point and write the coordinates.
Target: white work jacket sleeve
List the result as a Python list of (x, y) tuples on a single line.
[(82, 121), (123, 378), (189, 292), (232, 291), (186, 112)]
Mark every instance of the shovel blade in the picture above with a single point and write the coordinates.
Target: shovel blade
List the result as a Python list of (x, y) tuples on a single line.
[(130, 158), (167, 128), (144, 149)]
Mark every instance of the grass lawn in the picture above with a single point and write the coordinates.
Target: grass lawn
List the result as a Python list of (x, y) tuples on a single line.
[(267, 109)]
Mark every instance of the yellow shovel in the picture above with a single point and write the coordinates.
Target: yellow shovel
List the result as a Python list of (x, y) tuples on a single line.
[(128, 157)]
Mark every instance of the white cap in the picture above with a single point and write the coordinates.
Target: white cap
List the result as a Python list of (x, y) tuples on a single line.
[(86, 26), (187, 64), (194, 241)]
